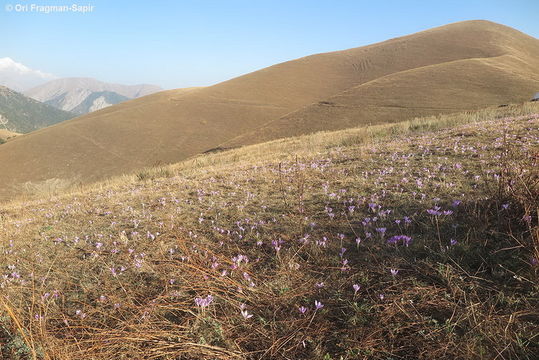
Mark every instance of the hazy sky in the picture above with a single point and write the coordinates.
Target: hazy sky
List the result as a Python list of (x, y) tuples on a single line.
[(200, 42)]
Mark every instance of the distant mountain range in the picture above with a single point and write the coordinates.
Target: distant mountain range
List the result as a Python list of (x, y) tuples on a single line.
[(84, 95), (77, 95), (24, 114)]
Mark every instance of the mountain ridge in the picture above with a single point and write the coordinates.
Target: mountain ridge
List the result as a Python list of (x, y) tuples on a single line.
[(69, 93)]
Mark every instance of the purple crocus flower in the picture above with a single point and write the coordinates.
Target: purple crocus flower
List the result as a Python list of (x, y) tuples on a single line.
[(356, 288), (246, 314), (204, 302), (303, 309), (394, 272), (406, 240), (318, 305)]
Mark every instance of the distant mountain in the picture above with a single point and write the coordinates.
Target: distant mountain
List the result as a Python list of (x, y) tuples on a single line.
[(84, 95), (95, 101), (19, 77), (24, 114)]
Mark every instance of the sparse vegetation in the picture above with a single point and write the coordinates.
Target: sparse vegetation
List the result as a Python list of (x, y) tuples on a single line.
[(391, 242), (154, 173)]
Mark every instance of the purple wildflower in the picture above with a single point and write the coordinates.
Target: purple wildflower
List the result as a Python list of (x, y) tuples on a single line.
[(244, 312), (204, 302), (406, 240)]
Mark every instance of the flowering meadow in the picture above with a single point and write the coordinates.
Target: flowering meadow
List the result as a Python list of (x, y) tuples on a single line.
[(420, 245)]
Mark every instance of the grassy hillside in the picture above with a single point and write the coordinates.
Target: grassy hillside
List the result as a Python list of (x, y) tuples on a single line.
[(416, 240), (25, 114), (418, 92), (470, 64)]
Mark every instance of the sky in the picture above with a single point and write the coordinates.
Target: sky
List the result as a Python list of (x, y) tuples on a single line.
[(185, 43)]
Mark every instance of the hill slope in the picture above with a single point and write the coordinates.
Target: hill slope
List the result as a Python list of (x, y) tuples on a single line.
[(459, 66), (79, 94), (392, 242), (441, 88), (25, 114)]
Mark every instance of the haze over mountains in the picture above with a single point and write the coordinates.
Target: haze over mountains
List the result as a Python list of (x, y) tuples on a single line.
[(19, 77), (84, 95), (466, 65)]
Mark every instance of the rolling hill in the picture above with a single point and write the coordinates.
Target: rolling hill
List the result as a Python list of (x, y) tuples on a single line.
[(461, 66), (25, 114), (84, 95)]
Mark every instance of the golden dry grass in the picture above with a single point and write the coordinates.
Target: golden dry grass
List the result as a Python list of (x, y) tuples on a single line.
[(278, 150)]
